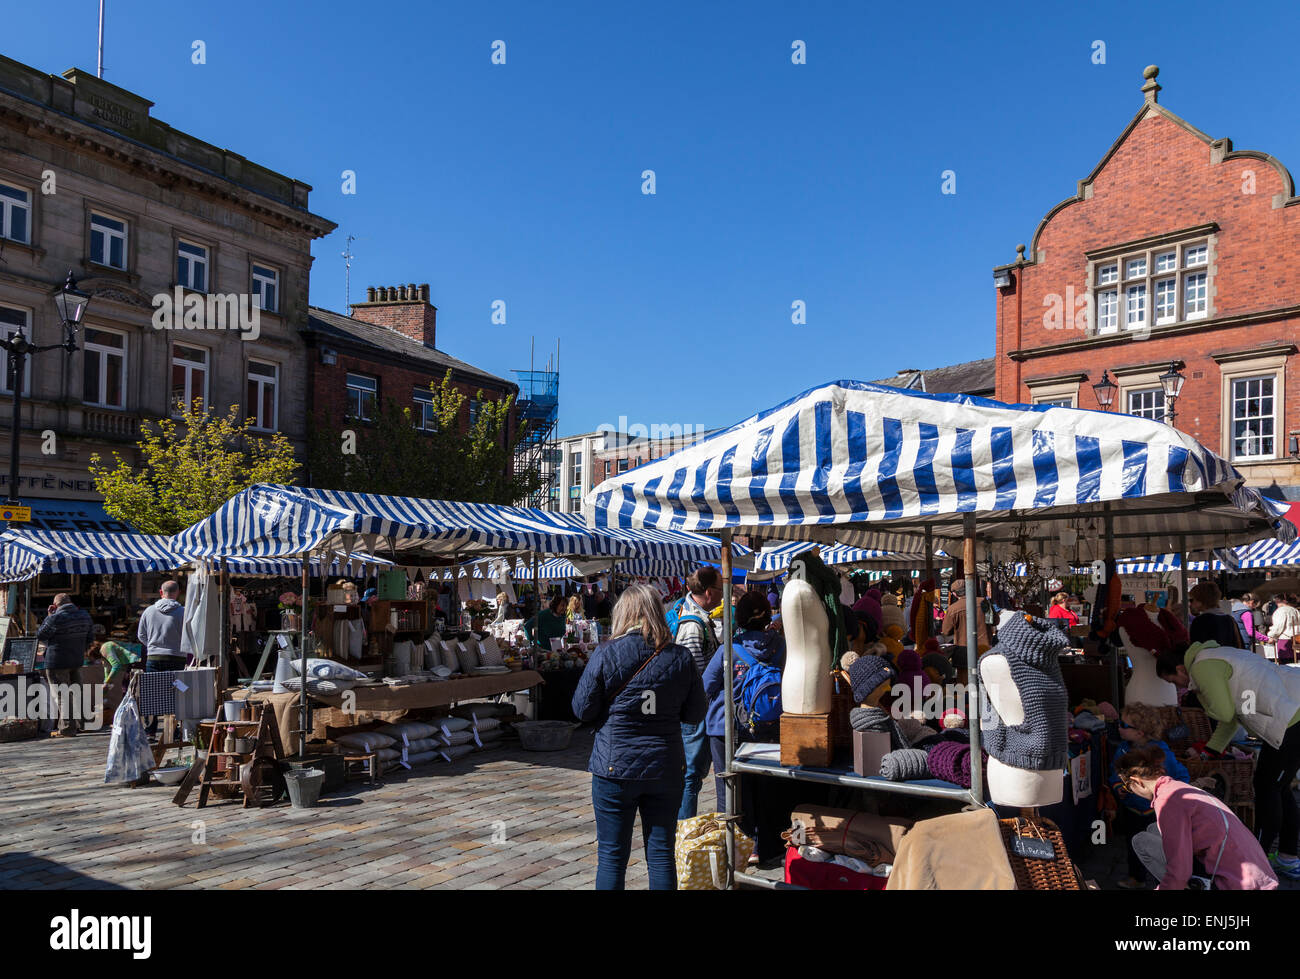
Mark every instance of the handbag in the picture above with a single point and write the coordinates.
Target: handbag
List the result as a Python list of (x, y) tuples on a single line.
[(701, 852)]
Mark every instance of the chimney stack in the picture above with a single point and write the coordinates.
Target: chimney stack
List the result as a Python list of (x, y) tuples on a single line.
[(404, 308)]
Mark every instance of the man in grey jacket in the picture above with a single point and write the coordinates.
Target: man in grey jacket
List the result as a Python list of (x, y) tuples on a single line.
[(161, 627), (66, 632)]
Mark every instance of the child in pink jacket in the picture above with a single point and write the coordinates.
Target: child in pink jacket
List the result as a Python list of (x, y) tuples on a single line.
[(1192, 825)]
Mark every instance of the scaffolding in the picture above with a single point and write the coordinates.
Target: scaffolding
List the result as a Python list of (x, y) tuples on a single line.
[(539, 411)]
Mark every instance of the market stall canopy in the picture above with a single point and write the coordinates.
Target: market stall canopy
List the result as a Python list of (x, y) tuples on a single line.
[(775, 559), (280, 521), (1276, 586), (27, 552), (872, 466)]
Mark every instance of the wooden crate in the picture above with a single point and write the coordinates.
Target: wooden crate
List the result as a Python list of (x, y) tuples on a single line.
[(806, 740)]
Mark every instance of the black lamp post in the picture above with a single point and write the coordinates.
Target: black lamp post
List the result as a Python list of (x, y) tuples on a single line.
[(1105, 391), (1172, 383), (71, 303)]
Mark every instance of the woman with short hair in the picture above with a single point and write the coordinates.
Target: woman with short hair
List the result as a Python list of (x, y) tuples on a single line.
[(638, 690)]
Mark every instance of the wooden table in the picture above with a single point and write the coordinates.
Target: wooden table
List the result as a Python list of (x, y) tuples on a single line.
[(380, 700)]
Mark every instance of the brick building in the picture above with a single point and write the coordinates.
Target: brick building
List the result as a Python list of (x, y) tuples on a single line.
[(387, 349), (1176, 249), (139, 212)]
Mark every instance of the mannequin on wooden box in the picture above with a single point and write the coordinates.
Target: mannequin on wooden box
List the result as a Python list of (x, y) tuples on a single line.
[(1024, 714)]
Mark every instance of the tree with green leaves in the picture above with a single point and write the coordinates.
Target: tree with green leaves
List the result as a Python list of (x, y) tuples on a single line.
[(191, 466), (445, 461)]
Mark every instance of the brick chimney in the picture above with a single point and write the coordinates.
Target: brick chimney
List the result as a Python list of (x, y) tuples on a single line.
[(405, 309)]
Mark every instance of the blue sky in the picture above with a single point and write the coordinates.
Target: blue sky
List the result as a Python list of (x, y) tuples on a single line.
[(775, 182)]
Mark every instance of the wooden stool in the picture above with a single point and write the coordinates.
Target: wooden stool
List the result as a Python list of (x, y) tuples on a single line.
[(356, 766)]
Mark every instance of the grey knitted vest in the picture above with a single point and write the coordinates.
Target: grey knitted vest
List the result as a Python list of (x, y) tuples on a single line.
[(1041, 741)]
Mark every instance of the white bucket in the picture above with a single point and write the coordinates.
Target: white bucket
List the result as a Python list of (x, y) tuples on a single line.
[(234, 709)]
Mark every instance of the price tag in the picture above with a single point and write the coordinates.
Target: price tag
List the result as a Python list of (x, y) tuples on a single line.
[(1033, 849), (284, 641), (179, 685)]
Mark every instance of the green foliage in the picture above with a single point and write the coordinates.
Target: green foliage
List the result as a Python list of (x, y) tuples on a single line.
[(390, 455), (191, 466)]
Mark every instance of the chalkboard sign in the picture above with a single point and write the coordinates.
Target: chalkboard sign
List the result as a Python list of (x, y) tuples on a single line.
[(23, 650)]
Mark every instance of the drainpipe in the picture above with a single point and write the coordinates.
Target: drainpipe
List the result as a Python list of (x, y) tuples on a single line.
[(1020, 292)]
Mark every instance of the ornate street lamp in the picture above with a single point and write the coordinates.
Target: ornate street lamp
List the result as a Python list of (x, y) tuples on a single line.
[(71, 304), (1172, 383), (1105, 391)]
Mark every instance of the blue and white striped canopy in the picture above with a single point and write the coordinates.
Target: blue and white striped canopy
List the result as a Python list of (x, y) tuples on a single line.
[(27, 552), (777, 558), (280, 521), (872, 466)]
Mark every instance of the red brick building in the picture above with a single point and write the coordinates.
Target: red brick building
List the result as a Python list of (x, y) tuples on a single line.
[(1177, 249), (387, 349)]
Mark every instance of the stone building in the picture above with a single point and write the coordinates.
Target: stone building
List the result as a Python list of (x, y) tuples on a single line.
[(144, 216), (1177, 251)]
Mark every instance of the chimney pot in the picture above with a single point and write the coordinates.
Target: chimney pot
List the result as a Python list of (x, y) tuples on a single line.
[(424, 291), (402, 293), (370, 294), (412, 293)]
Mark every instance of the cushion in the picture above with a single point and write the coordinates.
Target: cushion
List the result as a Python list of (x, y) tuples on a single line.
[(451, 723), (483, 709), (496, 734), (486, 724), (409, 731), (323, 687), (458, 750), (365, 740), (459, 737), (468, 653), (450, 654), (327, 669), (421, 757), (388, 754), (490, 653), (424, 744)]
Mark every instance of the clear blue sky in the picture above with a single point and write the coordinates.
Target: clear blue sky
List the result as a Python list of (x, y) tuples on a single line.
[(775, 182)]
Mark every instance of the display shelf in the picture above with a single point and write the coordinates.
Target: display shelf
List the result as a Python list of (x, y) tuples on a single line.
[(927, 788)]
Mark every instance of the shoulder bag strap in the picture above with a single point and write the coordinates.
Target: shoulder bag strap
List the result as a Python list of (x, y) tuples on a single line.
[(1214, 873), (633, 676)]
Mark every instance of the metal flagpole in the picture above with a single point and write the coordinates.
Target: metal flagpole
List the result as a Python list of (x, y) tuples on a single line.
[(972, 659), (729, 733), (302, 657), (100, 71)]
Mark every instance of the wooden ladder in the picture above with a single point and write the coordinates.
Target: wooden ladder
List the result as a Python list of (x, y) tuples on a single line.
[(265, 756)]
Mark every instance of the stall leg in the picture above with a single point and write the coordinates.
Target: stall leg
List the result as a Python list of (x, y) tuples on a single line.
[(729, 733), (302, 655), (972, 660)]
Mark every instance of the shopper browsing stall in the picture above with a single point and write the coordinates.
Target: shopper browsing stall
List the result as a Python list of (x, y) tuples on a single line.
[(1239, 688), (1194, 834), (66, 632), (640, 690), (1209, 623), (690, 615), (1286, 628)]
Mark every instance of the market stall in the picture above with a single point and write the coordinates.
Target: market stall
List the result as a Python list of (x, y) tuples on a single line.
[(877, 467)]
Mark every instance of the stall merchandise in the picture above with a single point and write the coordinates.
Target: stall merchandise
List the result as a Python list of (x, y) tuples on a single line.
[(878, 467)]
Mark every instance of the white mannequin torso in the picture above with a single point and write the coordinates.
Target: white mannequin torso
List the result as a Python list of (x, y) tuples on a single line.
[(1014, 786), (1145, 686), (806, 682)]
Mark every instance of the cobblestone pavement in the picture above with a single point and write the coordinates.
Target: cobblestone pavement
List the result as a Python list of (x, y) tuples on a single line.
[(61, 827)]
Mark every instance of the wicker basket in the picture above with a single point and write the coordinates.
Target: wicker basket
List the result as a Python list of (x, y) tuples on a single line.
[(1238, 773), (1057, 874), (19, 730), (1194, 719)]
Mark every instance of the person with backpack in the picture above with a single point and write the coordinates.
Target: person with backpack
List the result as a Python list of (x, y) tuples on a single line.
[(689, 623), (758, 659), (639, 690)]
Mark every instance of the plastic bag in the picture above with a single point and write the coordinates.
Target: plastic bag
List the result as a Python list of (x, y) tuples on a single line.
[(129, 753)]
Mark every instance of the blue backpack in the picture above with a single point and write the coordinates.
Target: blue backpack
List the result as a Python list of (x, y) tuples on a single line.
[(757, 694), (673, 615)]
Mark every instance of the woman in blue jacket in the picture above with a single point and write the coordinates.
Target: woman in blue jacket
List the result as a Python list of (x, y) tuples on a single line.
[(638, 690)]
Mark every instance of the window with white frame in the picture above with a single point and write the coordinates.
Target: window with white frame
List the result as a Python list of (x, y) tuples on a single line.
[(108, 241), (261, 406), (104, 374), (475, 406), (1148, 403), (192, 266), (1056, 402), (425, 419), (1160, 286), (266, 287), (189, 377), (622, 465), (363, 391), (575, 473), (1254, 417), (11, 321), (15, 214)]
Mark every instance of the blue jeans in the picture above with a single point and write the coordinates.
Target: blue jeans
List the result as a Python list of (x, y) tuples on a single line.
[(616, 802), (698, 757)]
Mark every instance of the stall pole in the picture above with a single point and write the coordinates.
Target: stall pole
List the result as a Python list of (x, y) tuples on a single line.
[(1108, 533), (223, 619), (1182, 581), (929, 555), (729, 734), (972, 658), (302, 656)]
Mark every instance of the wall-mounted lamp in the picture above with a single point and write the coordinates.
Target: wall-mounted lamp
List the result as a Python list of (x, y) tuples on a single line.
[(1105, 391)]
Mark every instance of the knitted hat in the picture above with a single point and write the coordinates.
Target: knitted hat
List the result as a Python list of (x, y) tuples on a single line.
[(905, 765), (909, 667), (848, 659), (1106, 710), (941, 665), (866, 673), (953, 718)]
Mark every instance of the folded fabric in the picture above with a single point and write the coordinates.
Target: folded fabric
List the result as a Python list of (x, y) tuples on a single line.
[(905, 765), (950, 762), (880, 720), (880, 869), (1089, 721)]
